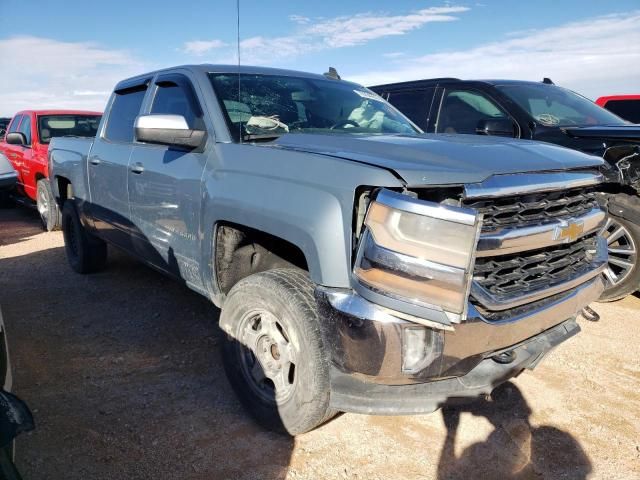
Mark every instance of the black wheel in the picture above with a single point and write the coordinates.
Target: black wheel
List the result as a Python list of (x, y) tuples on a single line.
[(47, 206), (622, 276), (274, 357), (85, 252)]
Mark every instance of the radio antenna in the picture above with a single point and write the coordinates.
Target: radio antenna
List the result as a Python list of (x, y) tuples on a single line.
[(238, 43)]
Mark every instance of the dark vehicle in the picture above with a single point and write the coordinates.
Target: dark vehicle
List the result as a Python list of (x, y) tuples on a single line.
[(4, 123), (360, 265), (625, 106), (15, 416), (549, 113)]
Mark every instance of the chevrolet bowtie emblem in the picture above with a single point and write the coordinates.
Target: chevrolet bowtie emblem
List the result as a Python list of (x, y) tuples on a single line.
[(569, 232)]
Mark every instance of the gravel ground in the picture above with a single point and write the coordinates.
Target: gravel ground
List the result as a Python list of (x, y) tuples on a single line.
[(122, 370)]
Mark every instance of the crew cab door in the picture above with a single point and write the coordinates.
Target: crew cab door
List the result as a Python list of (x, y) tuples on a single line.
[(11, 151), (24, 158), (108, 166), (165, 185)]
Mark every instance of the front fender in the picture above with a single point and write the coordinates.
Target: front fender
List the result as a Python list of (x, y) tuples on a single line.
[(305, 199)]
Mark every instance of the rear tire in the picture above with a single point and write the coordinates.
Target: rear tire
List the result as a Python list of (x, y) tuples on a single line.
[(47, 206), (274, 357), (85, 252)]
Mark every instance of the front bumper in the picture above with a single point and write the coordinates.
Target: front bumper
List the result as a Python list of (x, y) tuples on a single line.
[(352, 394), (366, 349)]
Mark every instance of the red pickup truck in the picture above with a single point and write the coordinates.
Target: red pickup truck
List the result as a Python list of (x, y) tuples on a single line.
[(26, 144)]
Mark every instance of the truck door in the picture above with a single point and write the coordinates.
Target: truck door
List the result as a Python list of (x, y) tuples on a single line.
[(108, 167), (11, 151), (24, 158), (165, 186)]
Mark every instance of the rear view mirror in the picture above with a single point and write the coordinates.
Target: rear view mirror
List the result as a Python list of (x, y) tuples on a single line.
[(16, 138), (167, 130), (501, 127)]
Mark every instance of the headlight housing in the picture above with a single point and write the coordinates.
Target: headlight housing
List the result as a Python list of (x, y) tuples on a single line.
[(420, 253)]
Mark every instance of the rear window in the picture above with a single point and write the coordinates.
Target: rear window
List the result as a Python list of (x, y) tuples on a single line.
[(414, 104), (51, 126), (124, 110), (627, 109)]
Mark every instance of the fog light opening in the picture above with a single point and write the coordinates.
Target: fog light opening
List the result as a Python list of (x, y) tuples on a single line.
[(420, 346)]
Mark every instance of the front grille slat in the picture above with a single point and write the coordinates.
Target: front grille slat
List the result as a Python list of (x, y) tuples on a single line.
[(534, 209), (523, 272)]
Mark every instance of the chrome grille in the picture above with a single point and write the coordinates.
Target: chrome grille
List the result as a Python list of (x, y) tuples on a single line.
[(523, 272), (534, 208)]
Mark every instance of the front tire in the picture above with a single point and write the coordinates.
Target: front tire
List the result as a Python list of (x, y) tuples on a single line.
[(85, 252), (47, 206), (622, 276), (274, 357)]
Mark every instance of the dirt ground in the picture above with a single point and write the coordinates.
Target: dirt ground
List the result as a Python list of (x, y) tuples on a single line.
[(122, 371)]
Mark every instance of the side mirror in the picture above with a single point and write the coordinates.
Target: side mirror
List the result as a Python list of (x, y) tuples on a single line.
[(16, 138), (501, 127), (170, 130)]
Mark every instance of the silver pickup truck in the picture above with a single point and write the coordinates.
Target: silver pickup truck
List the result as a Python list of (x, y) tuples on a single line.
[(360, 265)]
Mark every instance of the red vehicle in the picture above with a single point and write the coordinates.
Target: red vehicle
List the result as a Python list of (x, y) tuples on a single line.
[(625, 106), (26, 144)]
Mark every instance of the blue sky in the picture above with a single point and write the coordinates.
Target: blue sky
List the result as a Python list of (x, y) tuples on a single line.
[(71, 54)]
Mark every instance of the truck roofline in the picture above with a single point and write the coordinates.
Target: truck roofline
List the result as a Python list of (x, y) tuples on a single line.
[(226, 68)]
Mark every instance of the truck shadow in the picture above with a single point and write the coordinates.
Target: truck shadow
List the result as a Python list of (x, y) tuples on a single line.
[(515, 449), (122, 370)]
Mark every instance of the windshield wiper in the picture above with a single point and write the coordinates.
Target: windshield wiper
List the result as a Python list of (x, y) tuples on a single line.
[(261, 136)]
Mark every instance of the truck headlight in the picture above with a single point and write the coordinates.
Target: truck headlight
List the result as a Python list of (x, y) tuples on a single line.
[(419, 252)]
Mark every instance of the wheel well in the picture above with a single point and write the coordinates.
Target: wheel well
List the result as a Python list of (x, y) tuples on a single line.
[(240, 251), (65, 190)]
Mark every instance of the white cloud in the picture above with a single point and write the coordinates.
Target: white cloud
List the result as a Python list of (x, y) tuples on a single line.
[(300, 19), (362, 28), (45, 73), (201, 47), (594, 57), (313, 35)]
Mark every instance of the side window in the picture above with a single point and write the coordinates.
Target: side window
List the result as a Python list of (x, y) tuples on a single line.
[(14, 124), (462, 110), (25, 127), (178, 99), (627, 109), (415, 105), (124, 110)]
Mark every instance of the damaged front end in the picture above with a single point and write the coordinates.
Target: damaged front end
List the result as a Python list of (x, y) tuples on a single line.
[(454, 296)]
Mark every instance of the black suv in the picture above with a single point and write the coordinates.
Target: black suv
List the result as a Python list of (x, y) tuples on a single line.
[(546, 112)]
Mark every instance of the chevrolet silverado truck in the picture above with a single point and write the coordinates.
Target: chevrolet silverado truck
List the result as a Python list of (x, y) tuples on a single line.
[(26, 144), (549, 113), (360, 265)]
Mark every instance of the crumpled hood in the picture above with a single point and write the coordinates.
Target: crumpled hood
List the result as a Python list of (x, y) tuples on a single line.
[(441, 159)]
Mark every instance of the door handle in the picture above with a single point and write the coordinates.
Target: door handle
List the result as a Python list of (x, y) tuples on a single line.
[(94, 161), (137, 168)]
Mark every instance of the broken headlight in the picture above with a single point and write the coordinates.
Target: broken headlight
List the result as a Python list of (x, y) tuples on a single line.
[(418, 252)]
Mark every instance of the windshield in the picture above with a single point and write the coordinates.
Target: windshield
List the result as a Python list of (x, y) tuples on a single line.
[(554, 106), (271, 105), (50, 126)]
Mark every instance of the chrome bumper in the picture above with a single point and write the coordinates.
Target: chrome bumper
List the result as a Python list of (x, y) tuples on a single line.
[(366, 340)]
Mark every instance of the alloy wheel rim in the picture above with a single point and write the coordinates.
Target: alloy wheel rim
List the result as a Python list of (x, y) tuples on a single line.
[(268, 356), (43, 204), (622, 252)]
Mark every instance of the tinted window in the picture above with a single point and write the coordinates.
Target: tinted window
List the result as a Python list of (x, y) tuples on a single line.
[(124, 110), (272, 105), (415, 105), (177, 100), (14, 124), (462, 111), (555, 106), (25, 127), (627, 109), (51, 126)]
